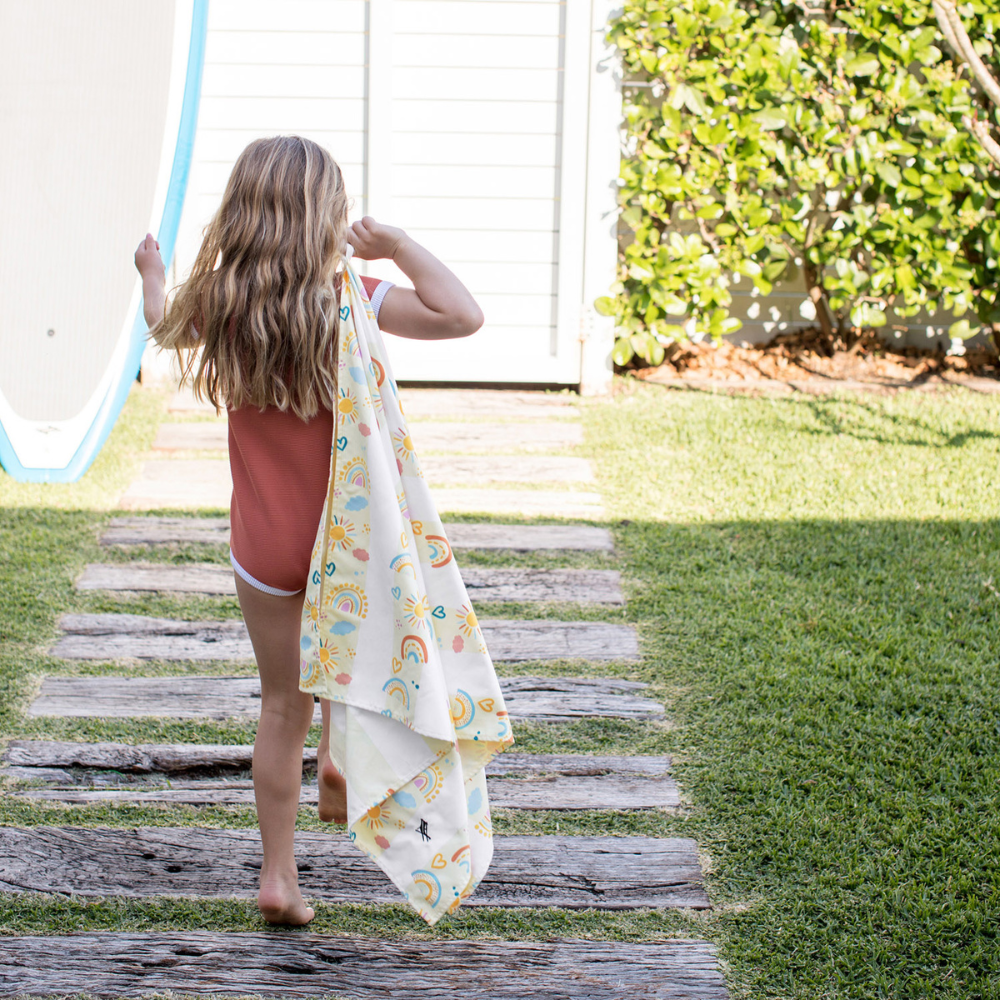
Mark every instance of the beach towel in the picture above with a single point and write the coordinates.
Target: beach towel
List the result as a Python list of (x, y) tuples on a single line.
[(390, 638)]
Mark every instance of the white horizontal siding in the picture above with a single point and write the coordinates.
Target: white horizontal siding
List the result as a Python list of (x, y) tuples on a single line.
[(518, 51), (477, 17), (272, 16), (463, 99), (289, 48), (292, 67), (476, 93), (459, 149), (479, 213), (444, 180), (467, 83), (268, 115), (270, 81), (469, 118)]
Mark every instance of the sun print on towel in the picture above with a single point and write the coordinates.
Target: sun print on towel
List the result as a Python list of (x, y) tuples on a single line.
[(416, 610), (467, 621), (404, 444), (347, 406), (312, 610), (377, 817), (341, 532)]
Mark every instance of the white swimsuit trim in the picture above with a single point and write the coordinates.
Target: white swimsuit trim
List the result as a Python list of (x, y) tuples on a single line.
[(274, 591)]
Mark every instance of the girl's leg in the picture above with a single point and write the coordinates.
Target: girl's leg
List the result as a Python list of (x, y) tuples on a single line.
[(332, 786), (285, 716)]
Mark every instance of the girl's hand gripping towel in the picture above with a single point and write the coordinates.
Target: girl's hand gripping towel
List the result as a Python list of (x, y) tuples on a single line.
[(389, 637)]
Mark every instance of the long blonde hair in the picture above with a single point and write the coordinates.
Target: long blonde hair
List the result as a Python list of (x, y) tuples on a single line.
[(262, 293)]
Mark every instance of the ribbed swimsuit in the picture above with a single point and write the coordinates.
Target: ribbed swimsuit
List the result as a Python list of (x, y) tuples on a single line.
[(280, 465)]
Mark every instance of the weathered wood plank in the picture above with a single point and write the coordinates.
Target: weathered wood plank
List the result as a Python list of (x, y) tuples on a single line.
[(561, 794), (207, 435), (518, 404), (526, 503), (215, 531), (493, 438), (167, 531), (515, 404), (206, 482), (109, 637), (582, 586), (111, 965), (122, 773), (612, 873), (187, 758), (183, 401), (505, 469), (529, 537), (551, 699), (183, 483)]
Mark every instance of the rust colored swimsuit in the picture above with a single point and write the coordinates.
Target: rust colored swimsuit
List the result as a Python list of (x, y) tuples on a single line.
[(280, 466)]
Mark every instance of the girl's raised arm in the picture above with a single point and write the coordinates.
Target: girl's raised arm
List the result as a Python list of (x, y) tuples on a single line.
[(438, 306)]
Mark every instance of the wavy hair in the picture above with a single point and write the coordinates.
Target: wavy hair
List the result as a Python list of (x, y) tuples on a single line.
[(261, 301)]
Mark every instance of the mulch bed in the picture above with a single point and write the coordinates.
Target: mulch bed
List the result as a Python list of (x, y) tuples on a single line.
[(805, 361)]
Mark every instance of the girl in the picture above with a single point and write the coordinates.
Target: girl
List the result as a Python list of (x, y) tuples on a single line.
[(256, 327)]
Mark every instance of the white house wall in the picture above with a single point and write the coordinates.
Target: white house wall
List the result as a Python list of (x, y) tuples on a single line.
[(465, 122)]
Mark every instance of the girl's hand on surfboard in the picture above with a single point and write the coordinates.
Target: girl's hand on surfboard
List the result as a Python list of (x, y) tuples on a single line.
[(372, 240), (149, 264), (148, 261)]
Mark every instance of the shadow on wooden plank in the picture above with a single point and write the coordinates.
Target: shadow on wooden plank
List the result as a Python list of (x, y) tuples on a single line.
[(204, 775), (550, 699), (607, 873), (121, 636)]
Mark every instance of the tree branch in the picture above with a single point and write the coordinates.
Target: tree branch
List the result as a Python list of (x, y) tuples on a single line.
[(958, 38), (982, 132)]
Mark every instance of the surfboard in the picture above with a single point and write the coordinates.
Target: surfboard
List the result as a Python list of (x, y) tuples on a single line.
[(98, 115)]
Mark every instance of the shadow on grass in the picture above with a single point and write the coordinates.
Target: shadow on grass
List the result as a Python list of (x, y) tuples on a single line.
[(835, 699), (839, 714), (867, 421)]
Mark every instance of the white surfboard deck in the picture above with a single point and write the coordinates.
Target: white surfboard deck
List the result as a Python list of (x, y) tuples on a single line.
[(98, 121)]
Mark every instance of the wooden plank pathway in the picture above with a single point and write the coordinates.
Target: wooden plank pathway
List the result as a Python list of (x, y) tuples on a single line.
[(607, 873), (77, 773), (457, 403), (523, 503), (484, 447), (463, 404), (428, 436), (304, 965), (545, 699), (204, 483), (505, 469), (580, 586), (149, 530), (117, 636)]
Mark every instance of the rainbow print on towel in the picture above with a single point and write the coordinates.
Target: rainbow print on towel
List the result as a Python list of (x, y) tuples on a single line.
[(390, 638)]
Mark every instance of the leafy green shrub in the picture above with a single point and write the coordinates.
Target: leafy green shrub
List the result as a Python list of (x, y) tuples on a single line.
[(768, 143)]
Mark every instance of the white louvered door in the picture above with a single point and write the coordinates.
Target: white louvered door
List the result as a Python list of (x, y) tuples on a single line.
[(469, 123), (479, 115)]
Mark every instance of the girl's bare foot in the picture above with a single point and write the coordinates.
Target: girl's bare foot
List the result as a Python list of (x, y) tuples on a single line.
[(280, 902), (332, 792)]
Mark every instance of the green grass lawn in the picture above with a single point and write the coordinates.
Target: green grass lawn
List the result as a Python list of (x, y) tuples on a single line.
[(816, 583)]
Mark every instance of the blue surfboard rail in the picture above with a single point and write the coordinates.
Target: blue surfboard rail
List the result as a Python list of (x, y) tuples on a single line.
[(114, 401)]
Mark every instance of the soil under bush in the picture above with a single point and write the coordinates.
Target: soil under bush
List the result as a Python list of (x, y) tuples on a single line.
[(807, 354)]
